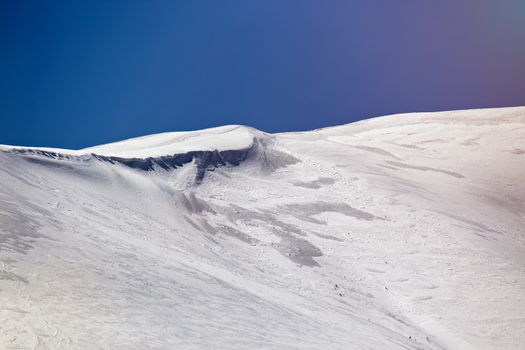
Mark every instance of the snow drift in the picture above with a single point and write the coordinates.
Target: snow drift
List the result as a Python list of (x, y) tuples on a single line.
[(399, 232)]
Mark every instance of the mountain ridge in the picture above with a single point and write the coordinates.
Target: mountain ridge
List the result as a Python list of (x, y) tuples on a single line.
[(400, 232)]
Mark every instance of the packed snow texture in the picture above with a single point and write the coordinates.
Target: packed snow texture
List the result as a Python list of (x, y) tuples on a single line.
[(399, 232)]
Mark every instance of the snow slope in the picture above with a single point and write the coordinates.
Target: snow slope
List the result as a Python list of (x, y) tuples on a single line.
[(231, 137), (399, 232)]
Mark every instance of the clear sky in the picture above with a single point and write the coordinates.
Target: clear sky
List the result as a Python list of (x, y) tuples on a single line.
[(79, 73)]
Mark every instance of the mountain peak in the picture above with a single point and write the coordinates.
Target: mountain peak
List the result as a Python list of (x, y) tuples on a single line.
[(223, 138)]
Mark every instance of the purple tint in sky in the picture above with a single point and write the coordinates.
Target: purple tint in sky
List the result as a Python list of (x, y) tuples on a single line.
[(80, 73)]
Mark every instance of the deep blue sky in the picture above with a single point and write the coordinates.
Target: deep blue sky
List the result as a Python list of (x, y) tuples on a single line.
[(80, 73)]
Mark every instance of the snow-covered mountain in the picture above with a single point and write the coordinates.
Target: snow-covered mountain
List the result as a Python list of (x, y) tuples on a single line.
[(399, 232)]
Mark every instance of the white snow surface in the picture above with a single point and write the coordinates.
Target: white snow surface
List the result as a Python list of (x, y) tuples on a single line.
[(399, 232), (229, 137)]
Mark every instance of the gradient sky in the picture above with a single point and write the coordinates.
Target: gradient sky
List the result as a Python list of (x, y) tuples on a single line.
[(79, 73)]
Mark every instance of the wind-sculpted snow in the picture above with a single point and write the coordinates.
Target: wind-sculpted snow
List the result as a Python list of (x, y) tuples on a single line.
[(225, 138), (401, 232), (204, 160), (257, 149)]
